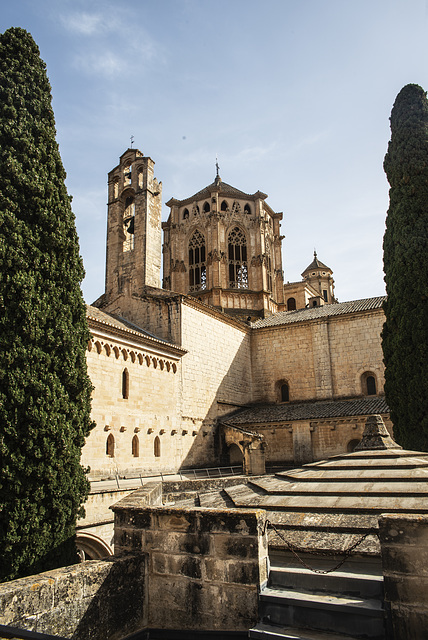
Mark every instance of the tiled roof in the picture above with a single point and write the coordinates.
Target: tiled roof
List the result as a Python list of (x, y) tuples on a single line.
[(316, 264), (309, 410), (314, 313), (224, 190), (113, 320)]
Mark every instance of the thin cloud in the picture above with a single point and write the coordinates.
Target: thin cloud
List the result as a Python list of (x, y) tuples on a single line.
[(103, 63), (88, 24)]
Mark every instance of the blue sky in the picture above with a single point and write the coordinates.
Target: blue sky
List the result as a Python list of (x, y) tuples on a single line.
[(293, 95)]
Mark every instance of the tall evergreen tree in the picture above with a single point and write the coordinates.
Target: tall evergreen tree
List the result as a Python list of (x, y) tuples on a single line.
[(405, 333), (44, 385)]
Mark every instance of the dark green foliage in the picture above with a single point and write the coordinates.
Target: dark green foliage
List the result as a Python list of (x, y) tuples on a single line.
[(405, 333), (44, 386)]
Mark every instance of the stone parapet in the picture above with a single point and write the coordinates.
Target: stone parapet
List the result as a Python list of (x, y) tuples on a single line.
[(208, 565), (95, 600), (404, 543)]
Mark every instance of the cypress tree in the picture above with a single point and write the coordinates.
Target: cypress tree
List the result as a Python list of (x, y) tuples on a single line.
[(405, 333), (44, 386)]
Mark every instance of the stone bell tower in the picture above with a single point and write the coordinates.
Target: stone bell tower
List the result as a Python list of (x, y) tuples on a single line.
[(133, 226)]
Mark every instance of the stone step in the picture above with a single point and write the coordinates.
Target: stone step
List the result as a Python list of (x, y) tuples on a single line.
[(244, 496), (364, 585), (316, 487), (264, 631), (318, 540), (332, 475), (353, 564), (322, 612)]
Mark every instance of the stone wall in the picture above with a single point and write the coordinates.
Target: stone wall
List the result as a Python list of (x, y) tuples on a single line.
[(95, 600), (323, 358), (404, 544), (95, 532), (216, 368), (206, 566), (149, 411)]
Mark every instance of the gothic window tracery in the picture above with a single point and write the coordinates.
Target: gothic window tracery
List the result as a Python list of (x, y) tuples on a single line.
[(128, 224), (237, 254), (197, 262)]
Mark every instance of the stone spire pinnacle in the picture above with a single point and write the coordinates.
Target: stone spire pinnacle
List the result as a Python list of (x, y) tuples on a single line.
[(376, 436)]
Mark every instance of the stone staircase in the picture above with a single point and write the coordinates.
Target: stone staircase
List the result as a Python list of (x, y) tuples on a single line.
[(298, 604)]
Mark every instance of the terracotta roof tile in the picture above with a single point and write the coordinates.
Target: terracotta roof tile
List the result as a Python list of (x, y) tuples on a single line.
[(309, 410), (314, 313)]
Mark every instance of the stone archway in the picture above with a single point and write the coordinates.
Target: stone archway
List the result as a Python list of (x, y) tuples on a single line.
[(91, 547), (236, 455)]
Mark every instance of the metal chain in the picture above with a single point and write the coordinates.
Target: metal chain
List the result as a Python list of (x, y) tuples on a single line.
[(295, 550)]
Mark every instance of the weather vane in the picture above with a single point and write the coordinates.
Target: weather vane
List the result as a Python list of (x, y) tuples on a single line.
[(132, 141), (216, 166)]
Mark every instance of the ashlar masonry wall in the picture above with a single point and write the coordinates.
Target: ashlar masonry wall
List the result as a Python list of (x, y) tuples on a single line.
[(207, 566), (319, 359), (216, 376), (135, 417)]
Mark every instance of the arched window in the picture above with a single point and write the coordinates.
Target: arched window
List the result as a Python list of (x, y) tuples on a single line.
[(368, 383), (247, 209), (135, 447), (125, 384), (285, 392), (185, 214), (371, 385), (157, 447), (268, 265), (206, 207), (110, 446), (223, 206), (128, 224), (237, 252), (197, 262), (291, 304), (127, 173)]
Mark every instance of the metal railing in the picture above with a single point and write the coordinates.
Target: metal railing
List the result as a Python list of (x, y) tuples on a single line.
[(197, 474)]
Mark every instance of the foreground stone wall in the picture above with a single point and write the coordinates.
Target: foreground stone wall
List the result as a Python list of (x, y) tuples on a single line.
[(404, 543), (95, 600), (206, 566)]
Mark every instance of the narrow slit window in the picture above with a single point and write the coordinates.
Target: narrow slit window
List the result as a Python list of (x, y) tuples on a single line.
[(125, 384), (110, 446), (135, 447)]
